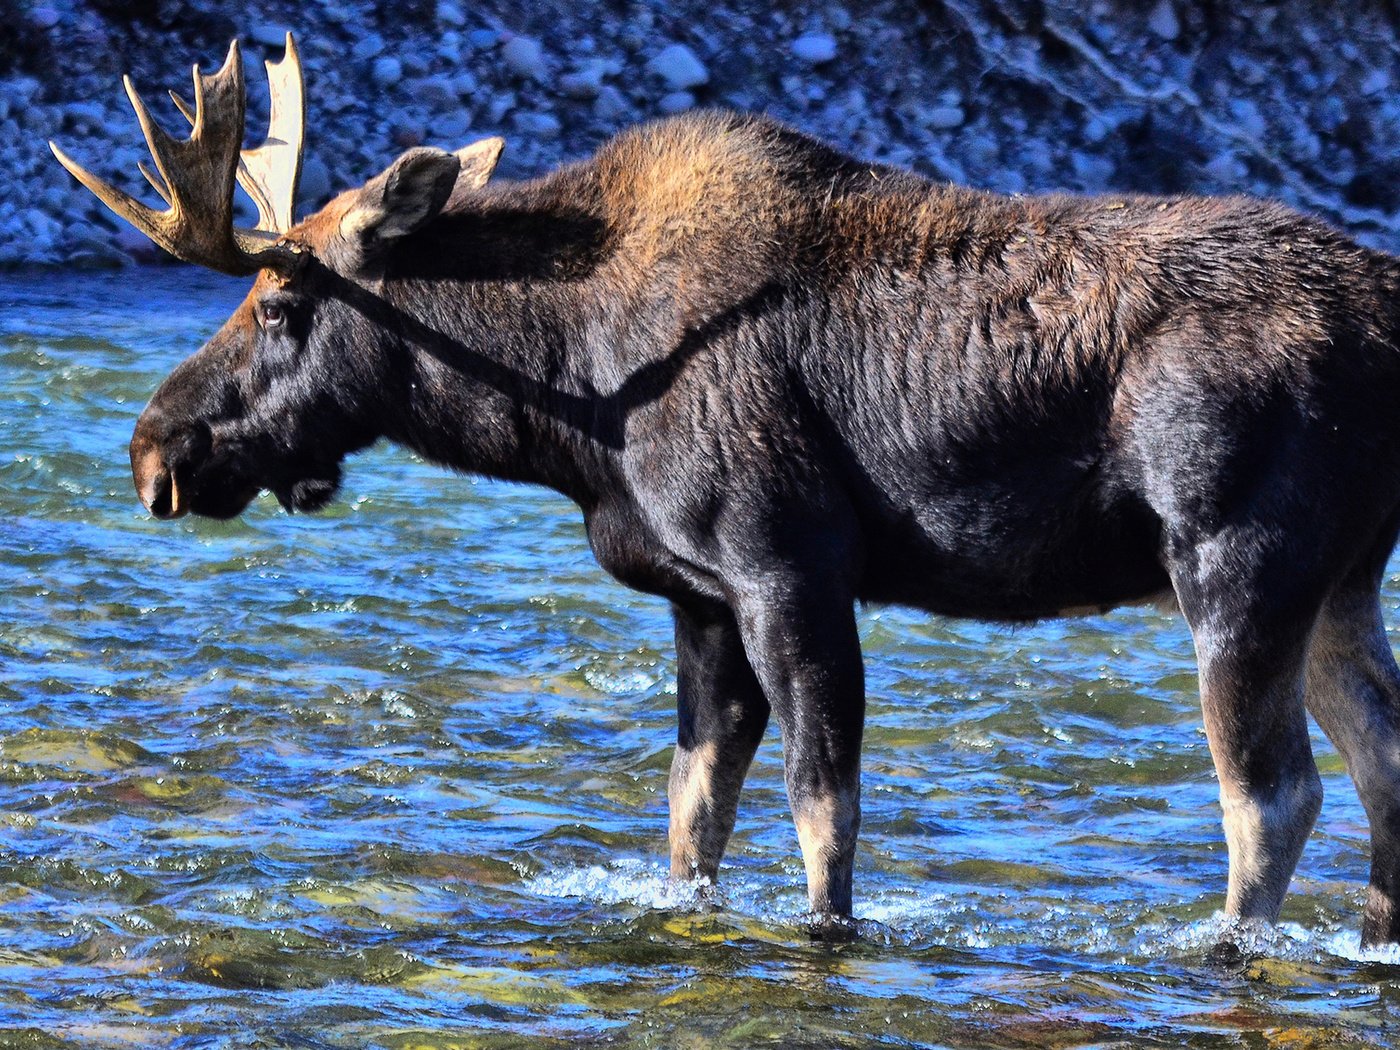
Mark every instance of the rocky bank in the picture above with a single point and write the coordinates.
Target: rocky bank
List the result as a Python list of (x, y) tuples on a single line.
[(1299, 101)]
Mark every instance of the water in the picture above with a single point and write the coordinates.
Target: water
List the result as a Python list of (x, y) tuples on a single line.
[(394, 776)]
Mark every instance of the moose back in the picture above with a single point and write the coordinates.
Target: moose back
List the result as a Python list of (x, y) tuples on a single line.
[(778, 381)]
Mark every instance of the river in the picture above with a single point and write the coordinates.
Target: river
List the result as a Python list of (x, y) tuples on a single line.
[(394, 776)]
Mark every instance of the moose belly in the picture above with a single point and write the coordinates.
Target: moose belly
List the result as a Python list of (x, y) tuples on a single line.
[(998, 559)]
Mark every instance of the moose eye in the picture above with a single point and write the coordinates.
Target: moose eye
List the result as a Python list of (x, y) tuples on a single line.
[(273, 316)]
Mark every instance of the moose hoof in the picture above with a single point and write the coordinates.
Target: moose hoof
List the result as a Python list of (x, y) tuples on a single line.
[(830, 929), (1227, 955)]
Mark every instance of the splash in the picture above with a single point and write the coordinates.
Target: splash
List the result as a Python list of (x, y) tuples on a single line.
[(1286, 940), (628, 881)]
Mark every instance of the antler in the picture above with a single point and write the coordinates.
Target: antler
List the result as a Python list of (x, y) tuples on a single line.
[(196, 175)]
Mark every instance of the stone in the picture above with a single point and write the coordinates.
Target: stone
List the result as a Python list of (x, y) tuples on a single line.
[(676, 102), (315, 185), (1226, 170), (464, 84), (501, 104), (434, 91), (1163, 20), (451, 128), (131, 241), (406, 136), (584, 82), (679, 67), (538, 125), (367, 47), (1377, 81), (449, 46), (814, 48), (44, 17), (450, 14), (268, 34), (1249, 118), (482, 39), (1093, 170), (524, 56), (945, 117), (611, 104), (86, 116), (20, 90), (85, 246), (387, 71)]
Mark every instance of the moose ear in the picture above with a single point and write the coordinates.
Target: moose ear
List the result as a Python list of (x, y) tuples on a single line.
[(478, 161), (402, 198)]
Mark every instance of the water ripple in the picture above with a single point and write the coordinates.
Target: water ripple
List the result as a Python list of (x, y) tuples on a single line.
[(395, 776)]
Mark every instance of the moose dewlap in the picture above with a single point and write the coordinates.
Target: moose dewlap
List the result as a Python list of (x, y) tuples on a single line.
[(777, 380)]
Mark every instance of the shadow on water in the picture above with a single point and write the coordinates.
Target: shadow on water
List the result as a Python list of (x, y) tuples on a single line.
[(394, 776)]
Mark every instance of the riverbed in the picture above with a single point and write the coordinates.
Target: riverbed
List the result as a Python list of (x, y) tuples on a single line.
[(394, 775)]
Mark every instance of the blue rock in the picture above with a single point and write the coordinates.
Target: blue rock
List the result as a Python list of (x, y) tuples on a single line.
[(679, 67), (524, 57), (387, 71), (676, 102), (814, 48)]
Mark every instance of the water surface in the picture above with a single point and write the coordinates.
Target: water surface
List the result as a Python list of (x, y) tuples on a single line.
[(394, 776)]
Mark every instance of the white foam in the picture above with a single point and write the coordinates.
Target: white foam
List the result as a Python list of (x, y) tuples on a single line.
[(628, 881), (904, 915), (1285, 940)]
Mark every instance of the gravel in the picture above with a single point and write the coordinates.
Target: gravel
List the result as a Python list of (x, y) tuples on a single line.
[(1294, 100)]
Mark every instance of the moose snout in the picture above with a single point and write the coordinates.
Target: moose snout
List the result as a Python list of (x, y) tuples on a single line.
[(156, 485), (163, 457)]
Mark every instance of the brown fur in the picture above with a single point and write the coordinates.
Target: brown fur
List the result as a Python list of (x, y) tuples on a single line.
[(778, 380)]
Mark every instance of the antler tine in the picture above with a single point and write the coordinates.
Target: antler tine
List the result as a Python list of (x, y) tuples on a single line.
[(271, 172), (182, 106), (145, 219), (154, 180), (196, 177), (161, 145)]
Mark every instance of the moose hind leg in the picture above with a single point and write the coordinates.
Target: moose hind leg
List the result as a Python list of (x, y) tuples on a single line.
[(1353, 690), (723, 714), (1251, 649)]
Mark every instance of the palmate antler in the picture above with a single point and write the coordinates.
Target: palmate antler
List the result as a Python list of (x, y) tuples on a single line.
[(196, 175)]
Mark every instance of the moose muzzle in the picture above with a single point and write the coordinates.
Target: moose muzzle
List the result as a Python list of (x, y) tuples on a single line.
[(163, 462)]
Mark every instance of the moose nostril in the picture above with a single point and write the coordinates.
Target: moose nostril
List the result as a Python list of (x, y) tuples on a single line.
[(156, 486)]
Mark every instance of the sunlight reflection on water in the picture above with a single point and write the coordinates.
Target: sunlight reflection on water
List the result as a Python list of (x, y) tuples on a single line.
[(395, 776)]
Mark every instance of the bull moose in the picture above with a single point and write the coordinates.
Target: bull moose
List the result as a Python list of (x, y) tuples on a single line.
[(779, 381)]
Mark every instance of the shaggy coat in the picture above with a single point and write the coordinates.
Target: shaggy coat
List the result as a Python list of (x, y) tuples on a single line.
[(778, 380)]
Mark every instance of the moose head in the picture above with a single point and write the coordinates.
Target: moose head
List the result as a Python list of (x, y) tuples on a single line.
[(303, 373)]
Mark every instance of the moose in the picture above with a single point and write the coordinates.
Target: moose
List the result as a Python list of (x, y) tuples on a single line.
[(779, 381)]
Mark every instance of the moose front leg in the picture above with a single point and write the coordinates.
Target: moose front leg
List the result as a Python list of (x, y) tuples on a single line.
[(723, 714), (803, 645)]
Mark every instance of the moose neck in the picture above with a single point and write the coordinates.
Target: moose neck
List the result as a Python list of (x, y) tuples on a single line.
[(500, 313)]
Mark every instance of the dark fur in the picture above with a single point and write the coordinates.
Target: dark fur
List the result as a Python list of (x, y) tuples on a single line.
[(777, 380)]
